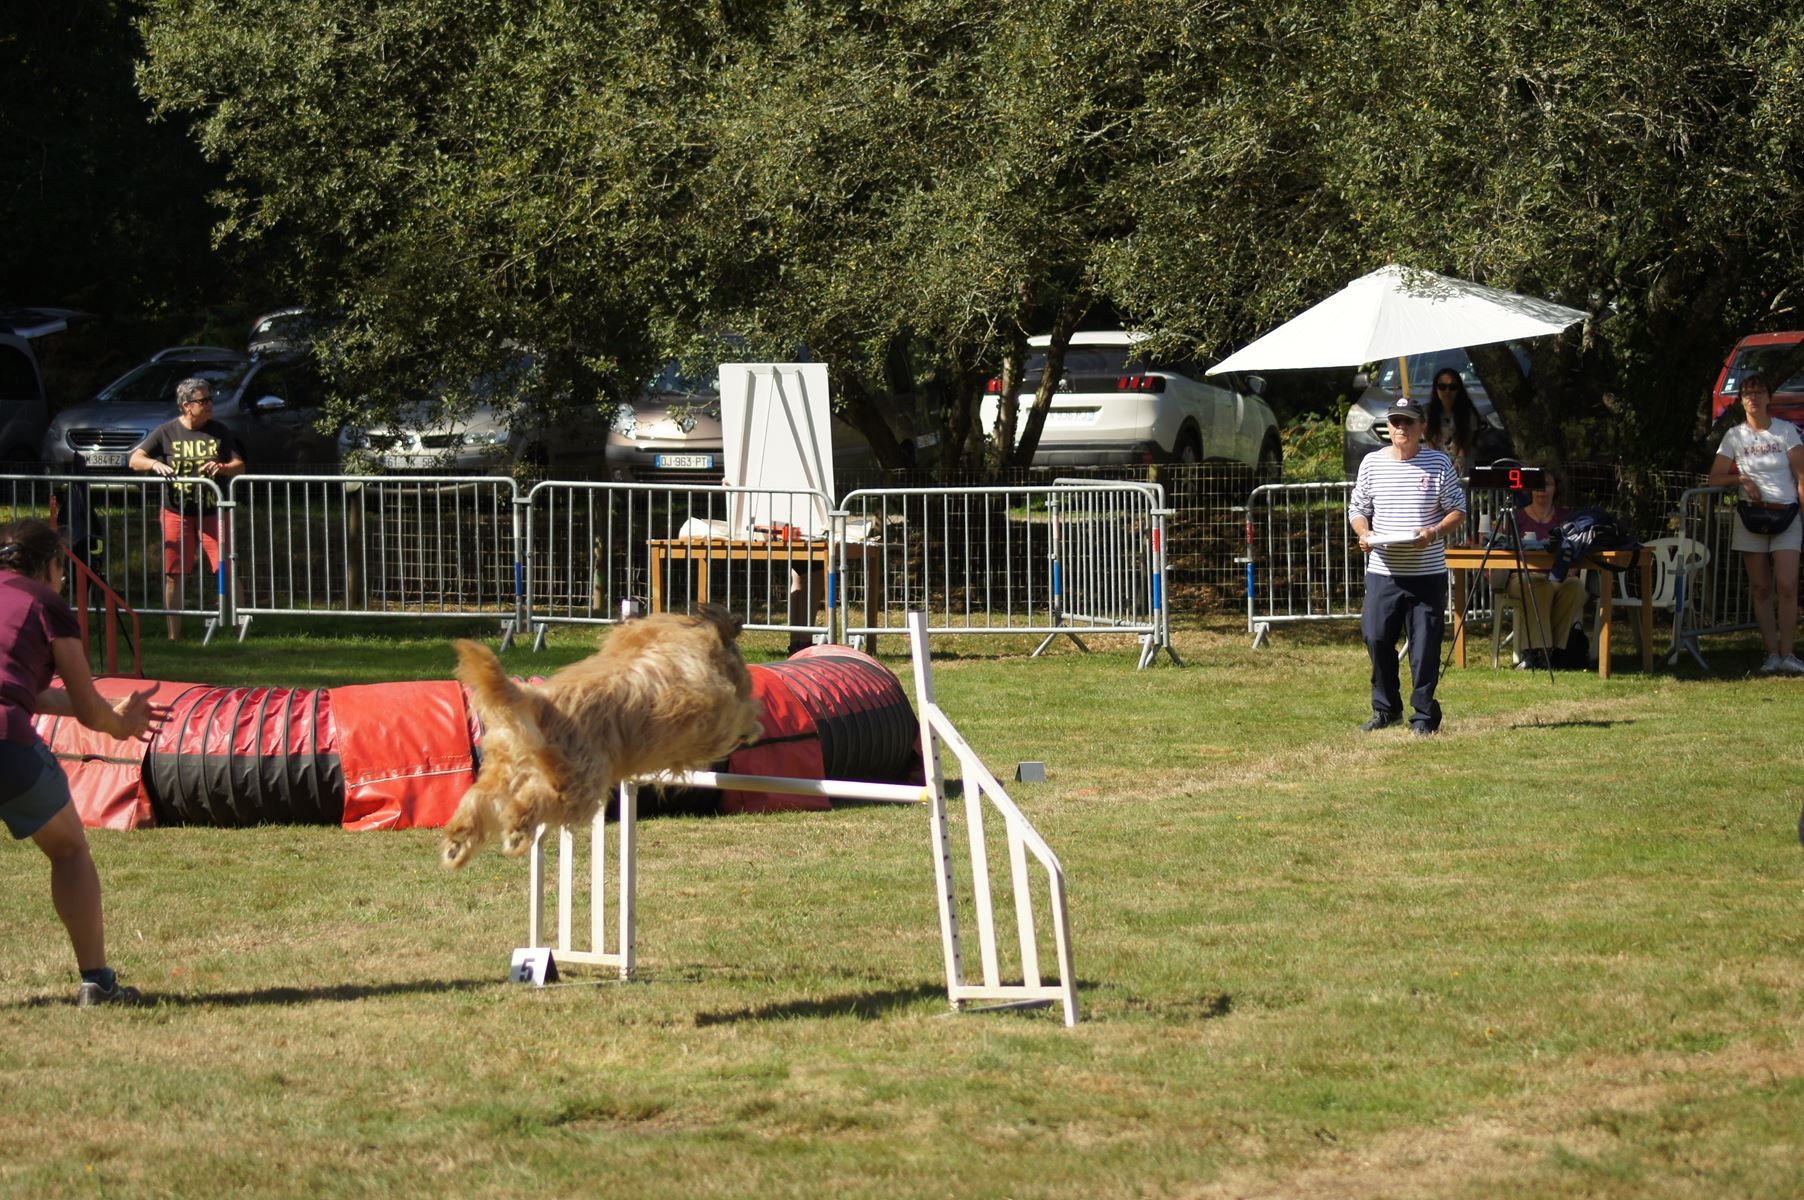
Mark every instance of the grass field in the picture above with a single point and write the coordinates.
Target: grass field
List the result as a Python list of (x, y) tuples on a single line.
[(1555, 952)]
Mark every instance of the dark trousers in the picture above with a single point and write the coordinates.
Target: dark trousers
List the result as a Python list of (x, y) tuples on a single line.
[(1394, 604)]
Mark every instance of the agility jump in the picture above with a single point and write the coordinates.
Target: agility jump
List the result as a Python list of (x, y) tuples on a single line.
[(938, 735)]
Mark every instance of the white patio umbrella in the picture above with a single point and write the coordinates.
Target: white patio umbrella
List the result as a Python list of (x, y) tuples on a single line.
[(1395, 312)]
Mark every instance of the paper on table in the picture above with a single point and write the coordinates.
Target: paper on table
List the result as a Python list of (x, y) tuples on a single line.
[(1389, 539)]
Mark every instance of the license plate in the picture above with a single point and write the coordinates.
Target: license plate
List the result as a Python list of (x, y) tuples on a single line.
[(100, 458), (1072, 416), (684, 462)]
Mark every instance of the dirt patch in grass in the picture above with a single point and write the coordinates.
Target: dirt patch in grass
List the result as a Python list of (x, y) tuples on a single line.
[(1592, 1112)]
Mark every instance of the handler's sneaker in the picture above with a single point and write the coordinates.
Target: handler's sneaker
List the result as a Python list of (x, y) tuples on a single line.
[(1791, 664), (93, 995), (1379, 721), (1772, 666)]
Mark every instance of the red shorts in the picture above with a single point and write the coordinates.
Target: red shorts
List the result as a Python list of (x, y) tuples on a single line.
[(183, 536)]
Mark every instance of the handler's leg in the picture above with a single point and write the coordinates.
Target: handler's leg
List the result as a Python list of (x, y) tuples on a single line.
[(1427, 621), (1380, 622), (74, 886)]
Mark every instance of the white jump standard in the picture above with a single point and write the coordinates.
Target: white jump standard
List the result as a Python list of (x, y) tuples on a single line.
[(937, 735)]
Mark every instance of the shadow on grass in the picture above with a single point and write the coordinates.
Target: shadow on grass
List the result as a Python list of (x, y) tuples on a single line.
[(335, 994), (866, 1006), (1574, 724)]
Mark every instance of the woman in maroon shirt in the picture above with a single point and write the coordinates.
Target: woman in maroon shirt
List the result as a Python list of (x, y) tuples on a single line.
[(39, 638), (1556, 607)]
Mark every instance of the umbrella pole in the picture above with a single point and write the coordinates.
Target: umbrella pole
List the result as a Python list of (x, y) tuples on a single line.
[(1403, 372)]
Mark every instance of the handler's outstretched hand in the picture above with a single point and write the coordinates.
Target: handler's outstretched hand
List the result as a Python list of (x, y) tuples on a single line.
[(137, 713)]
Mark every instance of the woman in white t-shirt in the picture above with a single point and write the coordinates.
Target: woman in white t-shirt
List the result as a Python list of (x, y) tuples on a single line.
[(1766, 457)]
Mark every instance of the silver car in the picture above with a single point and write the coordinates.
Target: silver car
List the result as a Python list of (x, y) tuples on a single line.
[(1366, 425), (272, 404)]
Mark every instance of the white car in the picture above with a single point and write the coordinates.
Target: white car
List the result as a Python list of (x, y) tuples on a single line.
[(1115, 406)]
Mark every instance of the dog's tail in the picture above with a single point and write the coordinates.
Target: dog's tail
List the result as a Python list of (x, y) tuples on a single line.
[(491, 691), (726, 623), (501, 702)]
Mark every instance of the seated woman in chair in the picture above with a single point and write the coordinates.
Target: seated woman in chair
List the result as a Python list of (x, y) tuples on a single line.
[(1547, 621)]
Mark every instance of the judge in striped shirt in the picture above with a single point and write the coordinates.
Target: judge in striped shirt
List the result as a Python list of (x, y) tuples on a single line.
[(1406, 500)]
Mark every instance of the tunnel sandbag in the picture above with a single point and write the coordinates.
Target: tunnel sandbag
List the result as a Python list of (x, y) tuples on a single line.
[(235, 757), (106, 775), (830, 712), (405, 753)]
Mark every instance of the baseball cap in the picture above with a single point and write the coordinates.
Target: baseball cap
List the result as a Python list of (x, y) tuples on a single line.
[(1404, 407)]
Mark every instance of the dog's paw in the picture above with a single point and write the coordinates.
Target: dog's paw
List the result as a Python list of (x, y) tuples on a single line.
[(515, 842), (455, 853)]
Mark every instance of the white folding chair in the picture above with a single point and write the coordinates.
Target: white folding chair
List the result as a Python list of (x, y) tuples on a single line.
[(1674, 558)]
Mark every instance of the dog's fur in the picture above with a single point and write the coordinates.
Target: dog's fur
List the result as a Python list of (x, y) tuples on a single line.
[(665, 693)]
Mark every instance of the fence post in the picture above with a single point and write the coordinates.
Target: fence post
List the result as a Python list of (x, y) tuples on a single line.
[(522, 564), (225, 580)]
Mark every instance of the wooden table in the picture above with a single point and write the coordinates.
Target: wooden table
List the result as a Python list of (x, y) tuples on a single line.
[(702, 553), (1463, 560)]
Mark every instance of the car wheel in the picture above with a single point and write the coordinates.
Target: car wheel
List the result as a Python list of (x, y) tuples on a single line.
[(1271, 461), (1190, 448)]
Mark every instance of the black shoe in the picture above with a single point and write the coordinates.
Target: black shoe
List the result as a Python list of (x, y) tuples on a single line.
[(1379, 721), (93, 995), (1423, 731)]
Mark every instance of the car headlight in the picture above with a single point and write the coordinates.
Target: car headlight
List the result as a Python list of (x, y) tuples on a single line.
[(625, 422), (485, 437), (1360, 420)]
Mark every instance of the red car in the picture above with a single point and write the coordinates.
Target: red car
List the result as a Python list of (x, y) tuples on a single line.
[(1762, 352)]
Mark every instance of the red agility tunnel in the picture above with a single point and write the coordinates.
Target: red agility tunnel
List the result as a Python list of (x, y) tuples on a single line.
[(829, 713), (401, 755)]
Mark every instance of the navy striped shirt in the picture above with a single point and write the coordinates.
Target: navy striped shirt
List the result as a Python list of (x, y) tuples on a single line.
[(1402, 496)]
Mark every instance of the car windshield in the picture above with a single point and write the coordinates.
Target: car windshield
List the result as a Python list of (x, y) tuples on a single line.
[(671, 378), (155, 382), (1762, 359), (1422, 370), (1090, 360)]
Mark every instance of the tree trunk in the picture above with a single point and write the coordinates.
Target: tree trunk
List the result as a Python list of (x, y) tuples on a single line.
[(1062, 329)]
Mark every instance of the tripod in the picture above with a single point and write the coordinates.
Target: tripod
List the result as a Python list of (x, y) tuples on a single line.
[(1512, 499)]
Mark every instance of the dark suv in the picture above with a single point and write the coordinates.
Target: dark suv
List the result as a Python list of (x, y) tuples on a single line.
[(23, 414), (270, 401)]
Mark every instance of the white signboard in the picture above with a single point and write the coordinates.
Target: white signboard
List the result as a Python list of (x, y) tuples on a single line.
[(775, 421)]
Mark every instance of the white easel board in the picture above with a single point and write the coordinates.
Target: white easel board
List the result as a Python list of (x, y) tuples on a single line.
[(775, 422)]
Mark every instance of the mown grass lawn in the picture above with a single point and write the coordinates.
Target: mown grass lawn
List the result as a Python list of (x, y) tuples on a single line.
[(1556, 951)]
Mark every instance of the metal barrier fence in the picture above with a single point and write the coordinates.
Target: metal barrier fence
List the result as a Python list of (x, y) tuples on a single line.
[(1715, 598), (366, 545), (116, 525), (596, 552), (1067, 558), (1303, 561)]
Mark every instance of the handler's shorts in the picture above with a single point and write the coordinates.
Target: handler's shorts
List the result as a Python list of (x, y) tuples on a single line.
[(1766, 543), (183, 536), (33, 787)]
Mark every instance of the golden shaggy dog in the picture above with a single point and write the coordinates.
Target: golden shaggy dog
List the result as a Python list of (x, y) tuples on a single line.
[(666, 693)]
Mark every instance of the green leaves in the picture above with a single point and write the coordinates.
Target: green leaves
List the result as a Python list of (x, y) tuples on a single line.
[(617, 181)]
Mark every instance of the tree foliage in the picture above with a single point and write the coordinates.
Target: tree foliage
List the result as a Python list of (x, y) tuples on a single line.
[(910, 188)]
